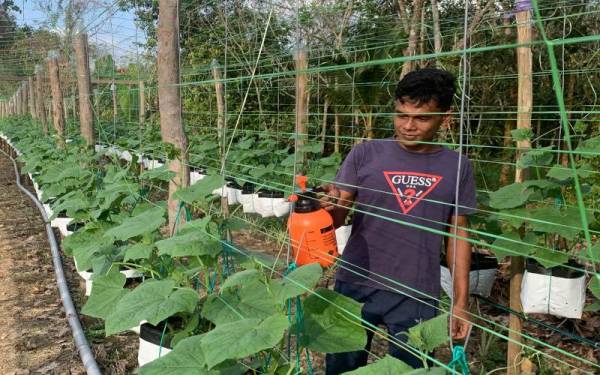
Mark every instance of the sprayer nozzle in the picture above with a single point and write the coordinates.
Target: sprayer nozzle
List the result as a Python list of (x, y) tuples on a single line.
[(301, 181)]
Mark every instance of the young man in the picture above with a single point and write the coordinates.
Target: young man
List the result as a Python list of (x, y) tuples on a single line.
[(404, 192)]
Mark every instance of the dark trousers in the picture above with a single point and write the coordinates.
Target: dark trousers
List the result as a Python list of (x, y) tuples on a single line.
[(396, 311)]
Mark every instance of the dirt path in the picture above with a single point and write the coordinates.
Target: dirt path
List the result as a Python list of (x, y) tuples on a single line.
[(34, 334)]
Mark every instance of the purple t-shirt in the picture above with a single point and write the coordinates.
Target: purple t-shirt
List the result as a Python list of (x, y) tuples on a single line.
[(400, 196)]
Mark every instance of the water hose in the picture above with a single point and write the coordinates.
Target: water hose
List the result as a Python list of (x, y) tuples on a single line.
[(89, 362)]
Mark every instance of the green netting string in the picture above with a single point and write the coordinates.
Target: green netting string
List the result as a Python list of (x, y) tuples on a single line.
[(459, 359), (299, 325)]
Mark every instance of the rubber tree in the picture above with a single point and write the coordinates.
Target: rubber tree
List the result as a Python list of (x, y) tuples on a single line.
[(169, 100)]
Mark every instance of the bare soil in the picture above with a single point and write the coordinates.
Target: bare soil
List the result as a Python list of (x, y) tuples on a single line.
[(35, 337)]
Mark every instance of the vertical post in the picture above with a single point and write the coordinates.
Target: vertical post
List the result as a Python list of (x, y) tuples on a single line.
[(169, 100), (25, 100), (301, 60), (86, 119), (31, 92), (113, 89), (216, 70), (524, 105), (39, 98), (57, 98), (66, 109), (142, 100)]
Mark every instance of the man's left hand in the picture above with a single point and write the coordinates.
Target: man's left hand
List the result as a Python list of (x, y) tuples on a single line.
[(460, 322)]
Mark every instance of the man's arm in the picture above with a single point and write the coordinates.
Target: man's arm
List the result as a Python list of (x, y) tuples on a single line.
[(337, 202), (459, 263)]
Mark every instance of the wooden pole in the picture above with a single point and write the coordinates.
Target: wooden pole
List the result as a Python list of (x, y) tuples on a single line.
[(169, 100), (437, 36), (86, 118), (57, 98), (31, 92), (301, 60), (142, 105), (25, 94), (524, 105), (113, 89), (39, 98), (66, 109), (219, 91)]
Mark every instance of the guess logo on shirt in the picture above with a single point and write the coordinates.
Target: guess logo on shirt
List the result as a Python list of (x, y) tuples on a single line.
[(410, 188)]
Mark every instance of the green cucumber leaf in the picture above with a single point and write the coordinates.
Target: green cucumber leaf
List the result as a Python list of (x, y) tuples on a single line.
[(147, 221), (297, 282), (153, 301), (387, 365), (242, 338), (332, 323), (107, 290), (429, 334)]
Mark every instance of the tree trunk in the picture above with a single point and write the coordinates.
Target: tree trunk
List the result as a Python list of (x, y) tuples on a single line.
[(31, 97), (437, 36), (142, 104), (336, 125), (57, 98), (475, 21), (39, 98), (525, 99), (324, 123), (507, 143), (219, 92), (169, 100), (410, 50), (84, 86), (301, 60)]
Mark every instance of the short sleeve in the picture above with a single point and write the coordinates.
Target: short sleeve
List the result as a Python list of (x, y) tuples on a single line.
[(467, 193), (347, 176)]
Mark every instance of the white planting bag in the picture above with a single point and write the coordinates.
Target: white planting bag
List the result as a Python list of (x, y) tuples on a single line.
[(195, 177), (150, 348), (342, 235), (547, 294), (481, 276)]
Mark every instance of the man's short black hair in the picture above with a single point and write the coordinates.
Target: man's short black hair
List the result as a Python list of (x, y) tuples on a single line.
[(421, 86)]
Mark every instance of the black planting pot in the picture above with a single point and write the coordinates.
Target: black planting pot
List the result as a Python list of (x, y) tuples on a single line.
[(478, 262), (248, 188), (264, 193), (153, 334), (74, 227), (557, 271)]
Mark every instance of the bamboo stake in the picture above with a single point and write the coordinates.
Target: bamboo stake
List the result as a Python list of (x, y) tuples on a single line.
[(525, 99)]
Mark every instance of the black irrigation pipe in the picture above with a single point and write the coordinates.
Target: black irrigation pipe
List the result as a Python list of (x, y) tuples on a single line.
[(89, 362), (594, 344)]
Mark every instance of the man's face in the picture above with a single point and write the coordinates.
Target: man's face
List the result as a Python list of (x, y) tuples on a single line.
[(418, 123)]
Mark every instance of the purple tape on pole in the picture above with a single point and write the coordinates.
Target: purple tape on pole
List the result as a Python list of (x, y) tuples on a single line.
[(523, 5)]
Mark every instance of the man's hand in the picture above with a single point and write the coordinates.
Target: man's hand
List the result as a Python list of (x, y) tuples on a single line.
[(460, 322), (328, 196)]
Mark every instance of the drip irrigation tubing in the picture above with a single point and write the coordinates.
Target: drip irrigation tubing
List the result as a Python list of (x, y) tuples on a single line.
[(87, 358)]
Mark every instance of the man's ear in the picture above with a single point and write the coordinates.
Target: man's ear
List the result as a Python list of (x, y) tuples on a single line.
[(447, 120)]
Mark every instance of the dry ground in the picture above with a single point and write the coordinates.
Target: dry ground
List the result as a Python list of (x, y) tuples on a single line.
[(35, 337)]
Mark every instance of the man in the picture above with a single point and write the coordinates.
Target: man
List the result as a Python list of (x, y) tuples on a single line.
[(404, 193)]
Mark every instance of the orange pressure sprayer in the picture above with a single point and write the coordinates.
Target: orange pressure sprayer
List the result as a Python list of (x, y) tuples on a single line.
[(311, 229)]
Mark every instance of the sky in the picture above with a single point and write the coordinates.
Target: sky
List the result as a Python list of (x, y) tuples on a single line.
[(110, 28)]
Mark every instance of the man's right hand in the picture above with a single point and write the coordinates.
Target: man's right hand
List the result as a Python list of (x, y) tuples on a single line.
[(328, 196)]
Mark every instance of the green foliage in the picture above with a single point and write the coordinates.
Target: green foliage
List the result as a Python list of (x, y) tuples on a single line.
[(332, 323), (429, 334), (153, 301), (107, 290), (242, 338), (387, 365), (147, 221)]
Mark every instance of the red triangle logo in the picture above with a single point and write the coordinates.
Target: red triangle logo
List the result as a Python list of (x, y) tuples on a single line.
[(410, 188)]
